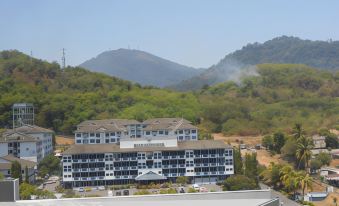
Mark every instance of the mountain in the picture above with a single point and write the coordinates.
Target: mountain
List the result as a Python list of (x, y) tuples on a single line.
[(291, 50), (141, 67)]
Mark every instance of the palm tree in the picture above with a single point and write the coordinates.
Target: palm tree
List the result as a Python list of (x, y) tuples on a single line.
[(303, 152), (288, 178), (304, 180), (298, 131), (335, 201)]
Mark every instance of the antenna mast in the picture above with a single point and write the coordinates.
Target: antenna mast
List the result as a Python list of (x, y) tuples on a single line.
[(63, 59)]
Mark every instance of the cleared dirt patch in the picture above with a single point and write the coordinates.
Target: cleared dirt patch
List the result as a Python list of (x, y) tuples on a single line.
[(235, 140), (62, 140)]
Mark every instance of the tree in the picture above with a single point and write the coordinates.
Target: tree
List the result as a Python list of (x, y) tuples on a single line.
[(49, 165), (238, 165), (288, 178), (289, 149), (304, 181), (315, 164), (298, 131), (324, 158), (303, 152), (335, 201), (251, 166), (26, 175), (182, 180), (267, 141), (239, 182), (26, 190), (16, 170), (278, 141), (271, 175), (331, 141)]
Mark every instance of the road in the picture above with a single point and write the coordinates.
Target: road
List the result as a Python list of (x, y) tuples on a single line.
[(283, 198)]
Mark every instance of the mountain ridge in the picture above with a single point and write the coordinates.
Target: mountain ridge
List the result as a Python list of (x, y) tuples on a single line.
[(284, 49), (140, 67)]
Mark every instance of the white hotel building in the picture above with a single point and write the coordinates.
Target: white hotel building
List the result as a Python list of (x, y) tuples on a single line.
[(126, 151)]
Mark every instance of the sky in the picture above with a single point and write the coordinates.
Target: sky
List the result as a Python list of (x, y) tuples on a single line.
[(195, 33)]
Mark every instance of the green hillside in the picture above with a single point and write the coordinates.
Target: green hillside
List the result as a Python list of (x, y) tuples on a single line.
[(275, 99), (63, 98)]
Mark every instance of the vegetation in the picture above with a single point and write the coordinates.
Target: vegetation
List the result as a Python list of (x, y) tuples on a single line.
[(271, 101), (2, 176), (274, 143), (286, 178), (142, 192), (182, 180), (49, 165), (239, 182), (168, 191), (26, 190), (16, 170)]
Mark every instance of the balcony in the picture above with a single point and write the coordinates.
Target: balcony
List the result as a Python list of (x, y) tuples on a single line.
[(84, 169)]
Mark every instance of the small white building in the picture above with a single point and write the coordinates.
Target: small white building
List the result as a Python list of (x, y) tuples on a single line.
[(6, 164), (319, 141)]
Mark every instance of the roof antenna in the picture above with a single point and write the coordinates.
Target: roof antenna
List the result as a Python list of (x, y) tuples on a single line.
[(63, 59)]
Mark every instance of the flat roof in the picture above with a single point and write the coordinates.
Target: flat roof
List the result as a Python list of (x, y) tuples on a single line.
[(238, 198), (182, 145)]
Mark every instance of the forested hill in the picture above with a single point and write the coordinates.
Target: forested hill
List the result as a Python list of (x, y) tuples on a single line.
[(282, 50), (63, 98), (276, 98), (141, 67)]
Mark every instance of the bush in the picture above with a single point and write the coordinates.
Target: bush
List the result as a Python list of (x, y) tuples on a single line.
[(239, 182), (182, 180), (142, 192), (191, 190), (168, 191)]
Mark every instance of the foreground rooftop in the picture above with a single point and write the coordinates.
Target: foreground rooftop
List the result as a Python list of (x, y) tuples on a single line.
[(238, 198)]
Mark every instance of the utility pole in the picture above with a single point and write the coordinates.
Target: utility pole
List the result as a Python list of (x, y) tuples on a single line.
[(63, 59)]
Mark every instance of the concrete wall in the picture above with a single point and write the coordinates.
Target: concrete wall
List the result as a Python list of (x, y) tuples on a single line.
[(3, 149), (9, 190)]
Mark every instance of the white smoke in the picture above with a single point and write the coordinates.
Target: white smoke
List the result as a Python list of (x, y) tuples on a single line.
[(232, 70)]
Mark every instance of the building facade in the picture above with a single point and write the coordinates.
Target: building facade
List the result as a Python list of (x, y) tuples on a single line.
[(21, 146), (23, 114), (26, 166), (146, 159), (27, 142), (113, 130)]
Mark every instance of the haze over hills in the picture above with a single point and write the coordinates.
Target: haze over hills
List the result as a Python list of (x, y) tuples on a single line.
[(318, 54), (141, 67)]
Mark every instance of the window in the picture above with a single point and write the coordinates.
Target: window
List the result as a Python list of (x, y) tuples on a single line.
[(181, 131), (194, 131), (148, 133), (166, 132), (161, 132), (78, 134), (106, 140), (112, 134), (97, 141), (112, 140), (97, 134), (78, 141), (91, 140), (106, 134)]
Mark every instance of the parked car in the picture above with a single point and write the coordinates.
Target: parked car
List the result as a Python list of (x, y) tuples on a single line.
[(118, 193), (242, 146), (101, 188), (126, 192), (81, 189), (203, 189), (196, 186)]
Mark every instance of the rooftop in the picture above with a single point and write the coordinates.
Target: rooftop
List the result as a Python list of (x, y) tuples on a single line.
[(27, 129), (107, 148), (7, 162), (239, 198), (12, 136)]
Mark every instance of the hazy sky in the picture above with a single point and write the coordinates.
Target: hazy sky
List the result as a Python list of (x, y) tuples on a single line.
[(194, 33)]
